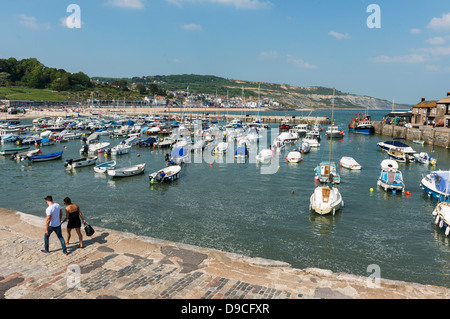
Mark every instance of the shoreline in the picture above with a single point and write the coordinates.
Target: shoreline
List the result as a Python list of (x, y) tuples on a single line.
[(115, 264)]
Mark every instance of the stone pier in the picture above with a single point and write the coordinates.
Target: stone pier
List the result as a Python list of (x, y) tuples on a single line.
[(114, 264)]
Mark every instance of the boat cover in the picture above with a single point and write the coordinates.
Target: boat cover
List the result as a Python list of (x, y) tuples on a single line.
[(442, 179)]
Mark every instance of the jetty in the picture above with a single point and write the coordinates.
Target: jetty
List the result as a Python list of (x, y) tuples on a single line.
[(115, 264)]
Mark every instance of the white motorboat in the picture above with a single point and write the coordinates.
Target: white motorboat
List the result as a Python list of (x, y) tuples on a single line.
[(350, 163), (94, 148), (104, 167), (424, 158), (305, 147), (80, 162), (294, 157), (441, 216), (311, 139), (326, 200), (265, 156), (405, 148), (180, 155), (437, 185), (127, 171), (167, 174), (120, 149), (335, 132)]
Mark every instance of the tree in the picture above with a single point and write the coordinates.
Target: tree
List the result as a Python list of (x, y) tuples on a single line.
[(141, 88)]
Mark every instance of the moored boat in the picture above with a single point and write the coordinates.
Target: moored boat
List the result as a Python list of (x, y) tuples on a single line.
[(80, 162), (441, 216), (361, 123), (104, 167), (334, 131), (326, 200), (390, 177), (326, 172), (350, 163), (424, 158), (167, 174), (400, 156), (9, 151), (294, 157), (45, 157), (120, 149), (436, 185), (127, 171), (264, 156), (396, 144)]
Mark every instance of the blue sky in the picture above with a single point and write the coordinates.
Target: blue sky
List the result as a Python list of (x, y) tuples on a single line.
[(303, 43)]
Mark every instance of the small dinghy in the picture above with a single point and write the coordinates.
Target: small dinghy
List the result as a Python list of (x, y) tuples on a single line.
[(104, 167), (45, 157), (127, 171), (165, 175), (80, 162), (264, 156)]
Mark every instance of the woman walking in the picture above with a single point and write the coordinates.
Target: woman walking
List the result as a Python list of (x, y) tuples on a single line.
[(73, 214)]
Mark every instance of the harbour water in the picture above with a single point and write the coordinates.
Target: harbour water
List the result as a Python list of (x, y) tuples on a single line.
[(234, 208)]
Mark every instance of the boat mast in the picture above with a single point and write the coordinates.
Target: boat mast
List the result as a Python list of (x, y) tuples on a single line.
[(331, 138)]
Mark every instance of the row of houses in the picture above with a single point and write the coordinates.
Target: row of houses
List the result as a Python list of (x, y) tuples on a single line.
[(436, 113)]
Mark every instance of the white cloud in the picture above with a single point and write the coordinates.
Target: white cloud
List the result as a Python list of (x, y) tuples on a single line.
[(436, 40), (411, 58), (192, 27), (268, 55), (435, 51), (298, 62), (133, 4), (415, 31), (435, 68), (339, 36), (31, 22), (239, 4), (440, 23)]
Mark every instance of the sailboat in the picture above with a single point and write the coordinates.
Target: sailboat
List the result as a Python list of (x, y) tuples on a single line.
[(326, 199)]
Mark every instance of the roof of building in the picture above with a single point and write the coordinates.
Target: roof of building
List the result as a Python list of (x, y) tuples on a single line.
[(445, 100), (426, 104)]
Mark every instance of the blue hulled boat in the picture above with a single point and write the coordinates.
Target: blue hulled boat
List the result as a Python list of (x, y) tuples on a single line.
[(436, 185), (45, 157)]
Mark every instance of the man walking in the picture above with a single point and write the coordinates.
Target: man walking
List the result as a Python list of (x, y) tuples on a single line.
[(53, 224)]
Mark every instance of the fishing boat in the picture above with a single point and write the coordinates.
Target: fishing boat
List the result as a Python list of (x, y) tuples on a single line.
[(327, 199), (327, 172), (441, 216), (334, 131), (167, 174), (350, 163), (390, 177), (120, 149), (436, 185), (396, 144), (424, 158), (104, 167), (400, 156), (127, 171), (45, 157), (294, 157), (80, 162), (361, 123), (264, 156), (302, 129), (285, 126), (9, 151)]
